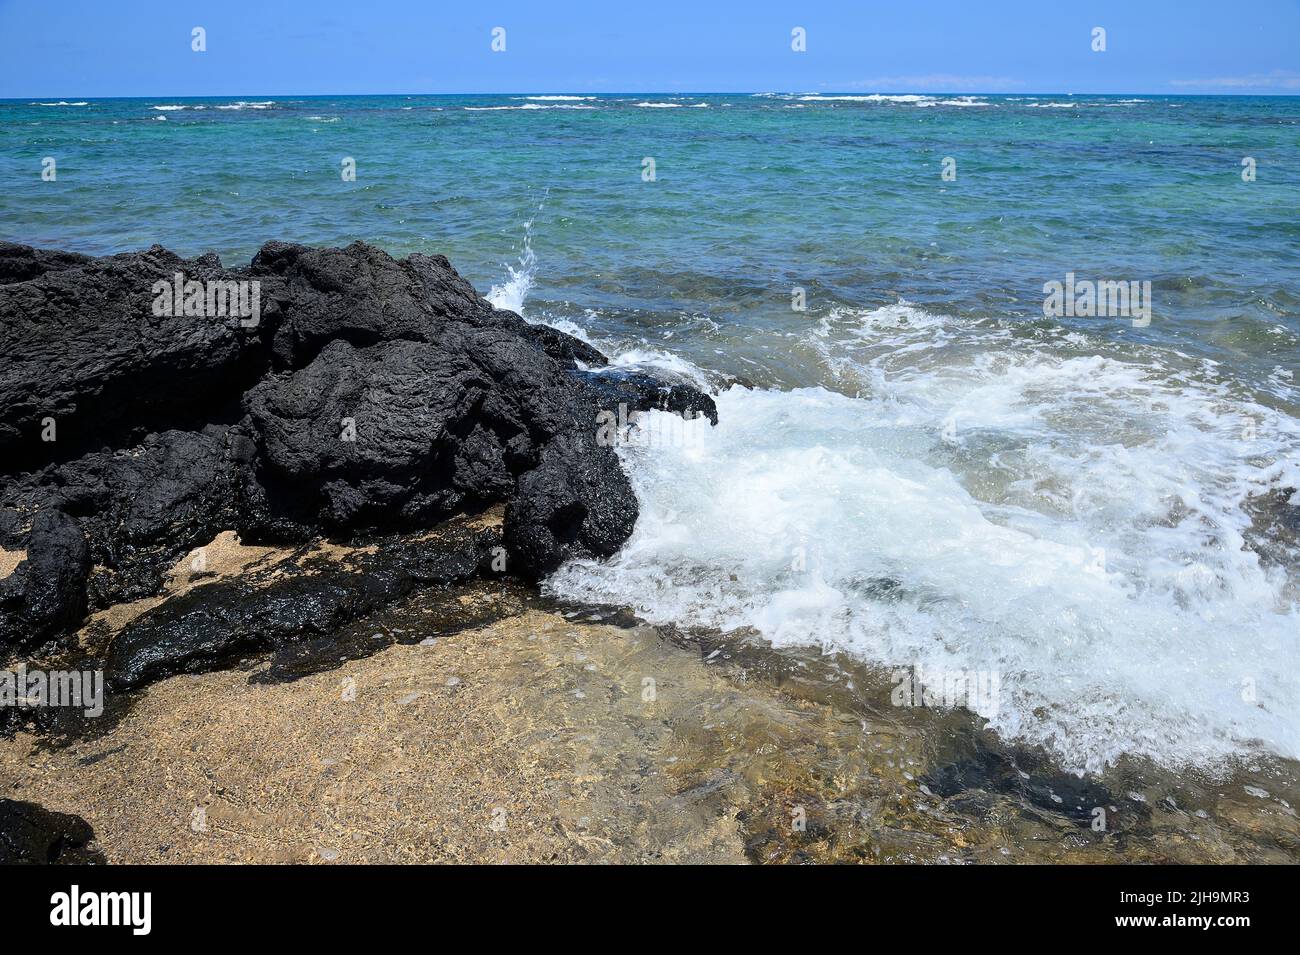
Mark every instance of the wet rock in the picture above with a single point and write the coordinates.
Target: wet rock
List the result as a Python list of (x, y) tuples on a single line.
[(32, 835), (641, 392), (566, 349), (431, 614), (309, 597)]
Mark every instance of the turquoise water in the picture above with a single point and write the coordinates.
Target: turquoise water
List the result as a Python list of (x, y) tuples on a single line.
[(931, 472), (753, 195)]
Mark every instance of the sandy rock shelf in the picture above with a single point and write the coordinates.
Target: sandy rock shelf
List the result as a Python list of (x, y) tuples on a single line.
[(539, 738)]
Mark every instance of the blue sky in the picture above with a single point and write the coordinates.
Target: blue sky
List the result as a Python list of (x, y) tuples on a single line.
[(89, 48)]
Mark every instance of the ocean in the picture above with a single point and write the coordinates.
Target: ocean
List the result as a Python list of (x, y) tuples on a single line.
[(917, 463)]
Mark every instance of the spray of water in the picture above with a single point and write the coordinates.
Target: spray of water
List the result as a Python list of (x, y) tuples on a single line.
[(511, 293)]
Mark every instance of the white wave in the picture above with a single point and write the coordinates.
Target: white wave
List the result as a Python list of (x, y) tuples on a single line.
[(1052, 105), (168, 109), (265, 104), (868, 98), (512, 293), (548, 99), (63, 103), (647, 104), (1077, 525), (643, 358), (493, 109)]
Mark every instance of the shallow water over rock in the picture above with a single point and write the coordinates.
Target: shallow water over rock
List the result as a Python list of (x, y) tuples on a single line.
[(564, 733)]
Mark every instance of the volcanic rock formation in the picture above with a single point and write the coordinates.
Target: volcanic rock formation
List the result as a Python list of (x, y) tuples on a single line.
[(362, 396)]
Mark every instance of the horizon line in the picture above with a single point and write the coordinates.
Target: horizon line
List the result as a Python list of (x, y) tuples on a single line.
[(1004, 93)]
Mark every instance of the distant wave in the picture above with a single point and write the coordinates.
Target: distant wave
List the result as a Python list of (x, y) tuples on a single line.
[(241, 104), (493, 109), (902, 99)]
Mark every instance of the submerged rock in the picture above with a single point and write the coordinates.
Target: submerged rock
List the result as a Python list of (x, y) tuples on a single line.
[(979, 768)]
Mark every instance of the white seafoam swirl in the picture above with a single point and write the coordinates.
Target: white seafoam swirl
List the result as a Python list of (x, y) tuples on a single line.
[(1075, 524)]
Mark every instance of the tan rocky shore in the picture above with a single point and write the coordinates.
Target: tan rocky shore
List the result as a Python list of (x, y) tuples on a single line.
[(495, 728)]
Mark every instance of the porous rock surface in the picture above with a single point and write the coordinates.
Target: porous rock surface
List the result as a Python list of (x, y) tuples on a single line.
[(371, 396)]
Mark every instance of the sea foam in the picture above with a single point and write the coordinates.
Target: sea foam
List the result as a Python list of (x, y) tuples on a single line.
[(976, 500)]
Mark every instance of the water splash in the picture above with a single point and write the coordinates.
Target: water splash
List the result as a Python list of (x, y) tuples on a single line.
[(511, 293)]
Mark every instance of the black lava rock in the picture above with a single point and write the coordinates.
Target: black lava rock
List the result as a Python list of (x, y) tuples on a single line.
[(46, 593), (32, 835), (82, 353), (303, 598), (369, 396), (140, 508), (641, 392)]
